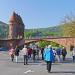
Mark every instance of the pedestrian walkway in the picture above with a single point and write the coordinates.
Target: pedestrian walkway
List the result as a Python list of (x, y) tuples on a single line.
[(38, 68)]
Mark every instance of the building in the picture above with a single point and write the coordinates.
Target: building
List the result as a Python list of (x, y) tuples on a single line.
[(16, 32), (16, 27)]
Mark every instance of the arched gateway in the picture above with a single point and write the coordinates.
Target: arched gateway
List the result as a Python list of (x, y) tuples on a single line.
[(65, 41)]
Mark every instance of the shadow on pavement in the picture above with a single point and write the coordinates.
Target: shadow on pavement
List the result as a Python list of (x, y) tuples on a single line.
[(68, 60), (72, 72), (31, 62)]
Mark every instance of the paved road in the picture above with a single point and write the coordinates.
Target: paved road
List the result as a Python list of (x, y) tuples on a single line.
[(38, 68)]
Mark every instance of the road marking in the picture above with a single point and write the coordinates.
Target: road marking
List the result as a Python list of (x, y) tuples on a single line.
[(28, 71)]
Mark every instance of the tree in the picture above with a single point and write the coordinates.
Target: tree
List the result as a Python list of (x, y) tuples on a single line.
[(46, 43), (68, 27)]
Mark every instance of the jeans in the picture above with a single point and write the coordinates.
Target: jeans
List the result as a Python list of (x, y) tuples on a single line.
[(33, 57), (73, 58), (12, 57), (63, 57), (49, 63), (25, 59), (16, 57)]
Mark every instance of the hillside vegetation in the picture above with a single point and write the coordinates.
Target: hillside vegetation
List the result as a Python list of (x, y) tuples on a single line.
[(3, 30), (44, 32)]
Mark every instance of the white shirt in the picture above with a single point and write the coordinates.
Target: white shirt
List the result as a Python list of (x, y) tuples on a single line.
[(24, 51), (73, 52)]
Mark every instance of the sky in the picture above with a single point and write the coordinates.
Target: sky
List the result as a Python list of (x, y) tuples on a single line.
[(37, 13)]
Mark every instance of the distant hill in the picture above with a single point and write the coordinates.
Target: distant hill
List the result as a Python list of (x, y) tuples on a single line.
[(55, 31), (3, 29)]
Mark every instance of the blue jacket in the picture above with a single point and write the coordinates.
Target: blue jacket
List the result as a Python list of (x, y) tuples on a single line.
[(58, 51), (48, 55)]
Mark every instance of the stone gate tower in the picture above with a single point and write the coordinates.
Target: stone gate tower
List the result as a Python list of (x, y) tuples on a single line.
[(16, 27)]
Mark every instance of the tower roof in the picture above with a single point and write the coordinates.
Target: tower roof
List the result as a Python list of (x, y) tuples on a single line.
[(16, 18), (13, 17)]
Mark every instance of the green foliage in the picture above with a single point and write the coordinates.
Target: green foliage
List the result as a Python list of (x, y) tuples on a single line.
[(3, 30), (46, 43), (43, 32), (69, 29), (43, 43), (28, 34)]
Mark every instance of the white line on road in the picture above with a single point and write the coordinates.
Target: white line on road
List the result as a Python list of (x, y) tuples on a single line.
[(28, 71)]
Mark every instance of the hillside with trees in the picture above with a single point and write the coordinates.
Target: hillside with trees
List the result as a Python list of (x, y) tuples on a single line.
[(44, 32), (3, 30)]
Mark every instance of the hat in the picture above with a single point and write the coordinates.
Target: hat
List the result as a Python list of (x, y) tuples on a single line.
[(49, 46)]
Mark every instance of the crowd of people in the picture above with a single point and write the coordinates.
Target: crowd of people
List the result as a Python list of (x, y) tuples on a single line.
[(48, 54)]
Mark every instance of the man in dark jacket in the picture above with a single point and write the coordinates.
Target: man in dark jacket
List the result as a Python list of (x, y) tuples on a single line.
[(16, 53), (64, 52)]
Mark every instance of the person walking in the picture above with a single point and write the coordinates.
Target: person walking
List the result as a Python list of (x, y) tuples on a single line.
[(58, 52), (29, 52), (34, 52), (49, 57), (37, 52), (54, 52), (73, 53), (64, 53), (25, 54), (16, 53), (11, 53), (42, 51)]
